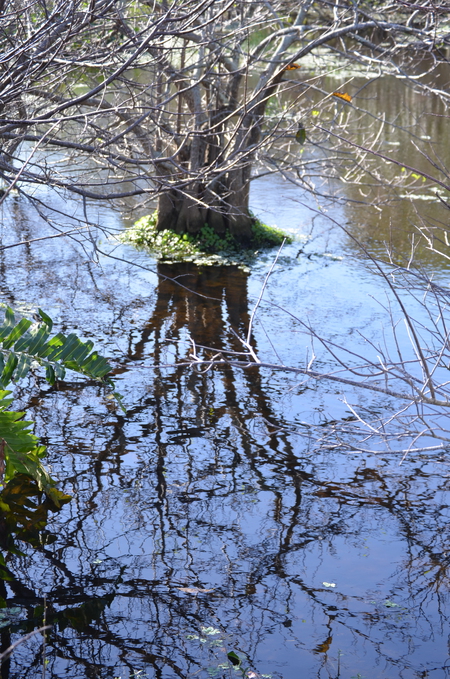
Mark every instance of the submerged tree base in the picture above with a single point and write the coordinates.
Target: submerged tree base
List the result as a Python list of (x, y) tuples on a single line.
[(204, 247)]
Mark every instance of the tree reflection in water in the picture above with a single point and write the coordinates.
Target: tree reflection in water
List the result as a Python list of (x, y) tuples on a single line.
[(185, 491)]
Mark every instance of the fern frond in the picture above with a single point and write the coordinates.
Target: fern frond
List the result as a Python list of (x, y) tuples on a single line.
[(24, 343)]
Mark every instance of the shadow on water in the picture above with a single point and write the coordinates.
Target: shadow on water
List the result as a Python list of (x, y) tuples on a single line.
[(193, 532)]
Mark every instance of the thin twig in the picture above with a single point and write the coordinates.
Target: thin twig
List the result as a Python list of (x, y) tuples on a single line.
[(258, 302)]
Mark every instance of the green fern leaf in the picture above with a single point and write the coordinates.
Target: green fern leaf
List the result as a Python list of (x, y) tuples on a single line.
[(23, 343), (8, 370), (17, 333), (20, 452)]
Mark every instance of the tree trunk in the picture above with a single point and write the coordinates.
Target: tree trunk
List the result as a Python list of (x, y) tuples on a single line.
[(183, 215), (224, 204), (168, 210), (179, 213), (240, 221)]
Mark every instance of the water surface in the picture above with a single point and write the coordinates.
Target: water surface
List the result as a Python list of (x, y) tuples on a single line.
[(199, 523)]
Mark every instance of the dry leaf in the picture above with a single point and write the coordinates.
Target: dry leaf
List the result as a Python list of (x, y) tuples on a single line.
[(194, 590), (342, 95), (291, 67)]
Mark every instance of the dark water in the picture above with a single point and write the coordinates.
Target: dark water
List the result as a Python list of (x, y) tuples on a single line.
[(198, 525)]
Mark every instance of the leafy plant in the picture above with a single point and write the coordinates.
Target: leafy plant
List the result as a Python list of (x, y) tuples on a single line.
[(170, 245), (236, 663), (20, 452), (25, 344)]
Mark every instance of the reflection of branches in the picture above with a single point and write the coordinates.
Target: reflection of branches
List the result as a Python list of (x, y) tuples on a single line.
[(11, 649), (261, 582), (410, 366), (183, 492)]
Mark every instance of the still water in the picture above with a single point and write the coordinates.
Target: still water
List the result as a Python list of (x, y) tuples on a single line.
[(199, 524)]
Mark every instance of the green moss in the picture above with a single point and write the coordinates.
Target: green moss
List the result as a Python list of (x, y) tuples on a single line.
[(265, 236), (205, 246)]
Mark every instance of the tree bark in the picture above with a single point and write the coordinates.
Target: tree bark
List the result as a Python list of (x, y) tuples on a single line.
[(183, 215), (239, 219), (191, 218), (168, 210)]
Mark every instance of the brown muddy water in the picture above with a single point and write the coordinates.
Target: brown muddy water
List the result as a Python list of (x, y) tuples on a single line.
[(199, 525)]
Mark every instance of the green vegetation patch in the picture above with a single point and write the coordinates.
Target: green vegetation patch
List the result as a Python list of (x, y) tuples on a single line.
[(205, 247)]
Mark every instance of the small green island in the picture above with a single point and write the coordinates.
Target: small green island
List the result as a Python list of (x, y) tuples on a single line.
[(205, 247)]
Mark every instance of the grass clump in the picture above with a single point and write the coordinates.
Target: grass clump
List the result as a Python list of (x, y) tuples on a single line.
[(206, 247)]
